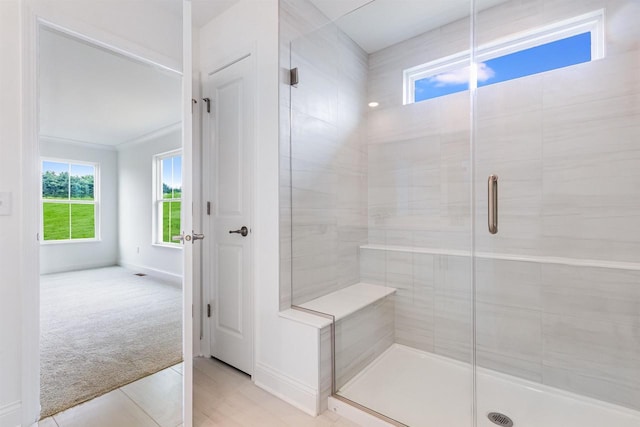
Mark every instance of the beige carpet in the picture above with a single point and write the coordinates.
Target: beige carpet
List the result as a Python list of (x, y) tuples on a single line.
[(102, 329)]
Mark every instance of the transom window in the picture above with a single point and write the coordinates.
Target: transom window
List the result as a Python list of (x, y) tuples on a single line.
[(168, 197), (559, 45), (69, 200)]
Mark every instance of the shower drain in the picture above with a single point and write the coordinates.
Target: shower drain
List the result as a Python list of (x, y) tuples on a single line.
[(500, 419)]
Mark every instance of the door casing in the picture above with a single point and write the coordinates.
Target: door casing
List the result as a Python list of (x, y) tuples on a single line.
[(32, 20)]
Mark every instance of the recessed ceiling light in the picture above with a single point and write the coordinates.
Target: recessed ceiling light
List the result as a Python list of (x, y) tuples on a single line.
[(373, 104)]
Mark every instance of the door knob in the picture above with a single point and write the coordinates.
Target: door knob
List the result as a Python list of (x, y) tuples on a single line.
[(243, 231), (198, 236)]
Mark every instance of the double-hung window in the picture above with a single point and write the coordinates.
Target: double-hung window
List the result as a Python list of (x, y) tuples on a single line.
[(168, 197), (69, 201)]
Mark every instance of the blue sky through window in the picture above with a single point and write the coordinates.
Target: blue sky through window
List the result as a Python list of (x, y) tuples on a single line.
[(82, 170), (55, 167), (558, 54)]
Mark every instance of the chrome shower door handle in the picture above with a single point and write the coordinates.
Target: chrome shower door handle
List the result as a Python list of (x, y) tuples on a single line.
[(493, 203)]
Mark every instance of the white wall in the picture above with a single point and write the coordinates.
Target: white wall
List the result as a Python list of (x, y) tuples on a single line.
[(151, 33), (135, 200), (10, 226), (75, 256), (286, 352)]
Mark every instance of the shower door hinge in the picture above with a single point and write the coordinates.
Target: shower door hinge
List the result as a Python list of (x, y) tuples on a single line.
[(208, 310), (208, 208), (208, 101), (293, 77)]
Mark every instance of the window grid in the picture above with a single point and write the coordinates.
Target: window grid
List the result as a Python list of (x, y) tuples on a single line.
[(70, 202), (167, 220)]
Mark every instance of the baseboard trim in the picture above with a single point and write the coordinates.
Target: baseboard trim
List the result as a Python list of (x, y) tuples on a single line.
[(174, 279), (10, 414), (286, 388), (78, 267)]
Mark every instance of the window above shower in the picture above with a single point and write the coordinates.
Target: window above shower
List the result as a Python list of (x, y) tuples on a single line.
[(562, 44)]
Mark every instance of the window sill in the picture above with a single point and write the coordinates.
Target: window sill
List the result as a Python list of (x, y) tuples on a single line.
[(167, 245), (67, 242)]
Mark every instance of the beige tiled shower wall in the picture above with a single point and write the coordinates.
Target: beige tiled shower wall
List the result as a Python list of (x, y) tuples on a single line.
[(566, 146), (327, 156)]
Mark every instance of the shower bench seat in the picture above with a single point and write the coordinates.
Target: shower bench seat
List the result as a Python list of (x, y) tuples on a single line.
[(347, 301)]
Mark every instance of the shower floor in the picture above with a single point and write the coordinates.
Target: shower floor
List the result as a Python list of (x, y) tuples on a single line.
[(421, 389)]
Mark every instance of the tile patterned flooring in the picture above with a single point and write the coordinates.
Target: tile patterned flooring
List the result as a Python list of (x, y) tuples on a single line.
[(223, 396)]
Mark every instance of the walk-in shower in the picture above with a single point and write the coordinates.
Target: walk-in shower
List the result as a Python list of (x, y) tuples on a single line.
[(461, 195)]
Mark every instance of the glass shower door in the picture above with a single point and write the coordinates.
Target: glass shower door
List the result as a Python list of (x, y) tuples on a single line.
[(380, 203), (557, 178)]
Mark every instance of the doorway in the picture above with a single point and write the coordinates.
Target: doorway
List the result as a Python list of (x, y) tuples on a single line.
[(110, 199)]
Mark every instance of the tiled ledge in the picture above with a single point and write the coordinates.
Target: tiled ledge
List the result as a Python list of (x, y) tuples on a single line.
[(344, 302), (305, 318), (509, 257)]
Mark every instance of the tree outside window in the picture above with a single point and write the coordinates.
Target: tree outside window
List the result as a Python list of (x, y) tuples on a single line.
[(168, 196), (69, 200)]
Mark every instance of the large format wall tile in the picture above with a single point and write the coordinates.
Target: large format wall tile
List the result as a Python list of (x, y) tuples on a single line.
[(361, 337), (515, 284), (603, 294), (327, 156), (592, 357), (509, 340)]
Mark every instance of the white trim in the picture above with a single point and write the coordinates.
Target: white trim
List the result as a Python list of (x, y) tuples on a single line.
[(31, 213), (167, 245), (165, 130), (187, 219), (68, 241), (115, 44), (592, 22), (97, 206), (576, 262), (589, 22), (156, 224), (174, 279), (77, 142), (78, 267), (10, 414), (290, 390)]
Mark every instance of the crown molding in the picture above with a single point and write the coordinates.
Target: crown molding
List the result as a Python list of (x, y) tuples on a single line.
[(150, 136), (76, 142)]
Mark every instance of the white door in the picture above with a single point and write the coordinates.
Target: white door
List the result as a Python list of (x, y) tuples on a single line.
[(229, 140)]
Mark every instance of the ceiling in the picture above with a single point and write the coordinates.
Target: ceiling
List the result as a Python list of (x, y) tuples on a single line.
[(90, 94), (379, 24), (204, 11)]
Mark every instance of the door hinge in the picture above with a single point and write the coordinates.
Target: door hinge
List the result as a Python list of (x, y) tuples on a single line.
[(208, 101), (293, 77), (208, 208), (208, 310)]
